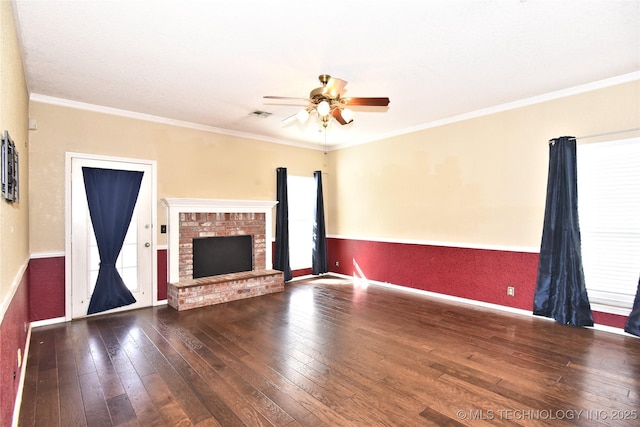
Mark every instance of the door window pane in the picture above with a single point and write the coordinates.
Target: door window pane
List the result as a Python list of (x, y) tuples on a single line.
[(127, 262)]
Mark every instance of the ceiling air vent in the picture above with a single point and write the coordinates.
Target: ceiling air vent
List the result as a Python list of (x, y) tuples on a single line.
[(260, 113)]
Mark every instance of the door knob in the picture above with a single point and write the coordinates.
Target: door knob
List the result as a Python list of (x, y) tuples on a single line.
[(146, 245)]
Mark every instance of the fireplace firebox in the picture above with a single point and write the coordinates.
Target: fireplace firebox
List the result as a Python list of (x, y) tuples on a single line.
[(222, 255)]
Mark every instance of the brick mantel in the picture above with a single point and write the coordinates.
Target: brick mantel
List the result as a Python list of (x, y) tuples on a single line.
[(176, 207)]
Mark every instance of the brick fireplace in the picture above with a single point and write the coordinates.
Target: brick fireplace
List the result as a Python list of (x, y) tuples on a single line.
[(202, 224), (194, 218)]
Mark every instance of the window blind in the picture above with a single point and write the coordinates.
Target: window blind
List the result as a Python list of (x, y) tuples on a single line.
[(609, 215)]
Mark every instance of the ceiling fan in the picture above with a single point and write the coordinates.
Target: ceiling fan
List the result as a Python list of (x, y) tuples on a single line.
[(329, 101)]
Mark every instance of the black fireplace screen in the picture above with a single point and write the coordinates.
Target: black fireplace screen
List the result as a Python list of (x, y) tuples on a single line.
[(222, 255)]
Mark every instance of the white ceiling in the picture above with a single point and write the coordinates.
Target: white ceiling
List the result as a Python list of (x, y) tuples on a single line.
[(209, 63)]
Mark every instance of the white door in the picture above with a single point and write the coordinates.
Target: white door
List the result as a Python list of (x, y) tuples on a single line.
[(135, 262)]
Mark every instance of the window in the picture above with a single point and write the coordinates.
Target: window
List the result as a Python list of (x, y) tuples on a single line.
[(301, 193), (609, 214)]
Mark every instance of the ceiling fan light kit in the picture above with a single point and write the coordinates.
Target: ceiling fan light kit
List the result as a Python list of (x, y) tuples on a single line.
[(328, 102), (323, 108), (302, 116), (347, 115)]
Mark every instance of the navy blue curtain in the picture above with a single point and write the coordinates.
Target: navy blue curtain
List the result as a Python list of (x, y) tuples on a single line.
[(633, 321), (319, 263), (561, 293), (111, 195), (281, 257)]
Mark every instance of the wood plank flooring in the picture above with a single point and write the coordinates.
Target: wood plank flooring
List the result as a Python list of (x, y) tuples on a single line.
[(327, 352)]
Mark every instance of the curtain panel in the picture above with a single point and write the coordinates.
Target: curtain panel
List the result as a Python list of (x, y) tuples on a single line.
[(281, 256), (319, 263), (561, 293), (633, 321), (111, 196)]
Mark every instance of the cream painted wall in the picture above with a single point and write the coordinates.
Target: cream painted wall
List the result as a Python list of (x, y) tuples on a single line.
[(478, 182), (14, 228), (190, 163)]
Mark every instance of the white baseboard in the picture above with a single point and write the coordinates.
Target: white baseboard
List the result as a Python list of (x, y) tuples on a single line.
[(47, 322), (23, 373)]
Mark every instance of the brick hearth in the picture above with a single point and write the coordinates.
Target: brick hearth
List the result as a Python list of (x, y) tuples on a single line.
[(204, 291)]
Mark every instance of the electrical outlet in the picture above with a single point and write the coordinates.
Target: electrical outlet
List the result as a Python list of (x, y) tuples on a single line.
[(163, 229), (511, 291), (337, 263)]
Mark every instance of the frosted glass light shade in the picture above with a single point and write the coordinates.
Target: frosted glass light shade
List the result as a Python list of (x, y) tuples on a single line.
[(323, 108), (347, 115), (302, 116)]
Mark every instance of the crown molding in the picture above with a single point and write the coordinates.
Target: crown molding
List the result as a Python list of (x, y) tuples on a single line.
[(575, 90), (62, 102)]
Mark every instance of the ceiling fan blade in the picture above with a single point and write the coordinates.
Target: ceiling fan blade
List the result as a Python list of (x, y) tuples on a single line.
[(289, 119), (337, 114), (335, 87), (284, 97), (297, 104), (370, 102)]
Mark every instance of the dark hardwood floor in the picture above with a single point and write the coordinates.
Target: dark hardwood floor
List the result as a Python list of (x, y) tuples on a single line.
[(329, 353)]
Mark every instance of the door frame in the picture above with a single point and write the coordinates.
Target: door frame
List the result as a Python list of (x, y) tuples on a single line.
[(69, 156)]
